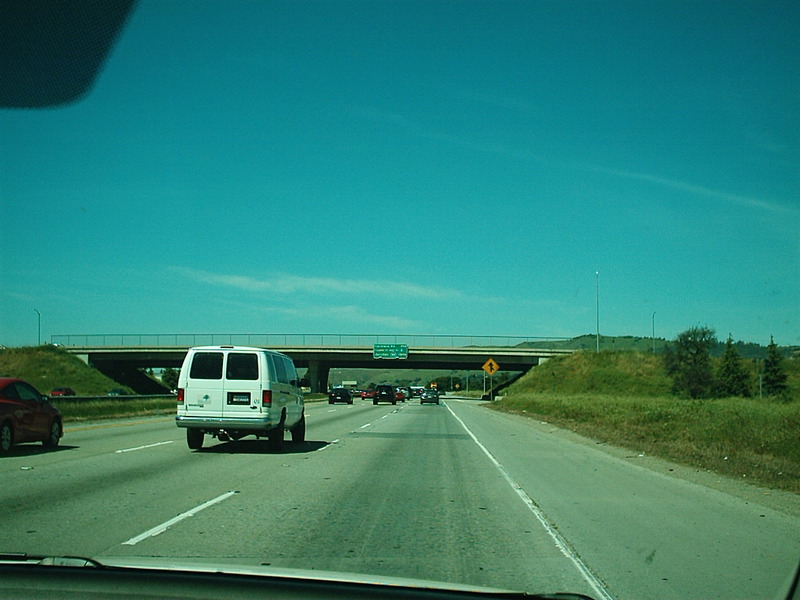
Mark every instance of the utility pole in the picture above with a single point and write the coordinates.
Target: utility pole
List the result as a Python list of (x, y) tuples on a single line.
[(39, 334)]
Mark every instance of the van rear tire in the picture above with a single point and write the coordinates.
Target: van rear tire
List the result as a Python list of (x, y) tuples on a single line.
[(194, 438), (275, 438), (299, 431)]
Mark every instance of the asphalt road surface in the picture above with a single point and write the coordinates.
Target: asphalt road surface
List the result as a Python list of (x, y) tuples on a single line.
[(454, 492)]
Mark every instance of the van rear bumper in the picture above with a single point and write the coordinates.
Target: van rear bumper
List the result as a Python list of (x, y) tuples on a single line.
[(229, 423)]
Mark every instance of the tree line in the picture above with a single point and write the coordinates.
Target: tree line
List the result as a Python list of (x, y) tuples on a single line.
[(688, 362)]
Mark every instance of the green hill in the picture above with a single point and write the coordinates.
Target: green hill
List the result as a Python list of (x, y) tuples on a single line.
[(47, 367), (624, 373), (647, 344)]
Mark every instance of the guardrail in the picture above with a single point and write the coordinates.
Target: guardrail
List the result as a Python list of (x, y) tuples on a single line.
[(290, 339), (123, 397)]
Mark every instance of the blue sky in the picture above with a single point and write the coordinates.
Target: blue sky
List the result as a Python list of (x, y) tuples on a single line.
[(416, 167)]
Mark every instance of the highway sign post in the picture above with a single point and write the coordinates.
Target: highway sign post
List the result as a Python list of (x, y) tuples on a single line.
[(491, 367), (390, 351)]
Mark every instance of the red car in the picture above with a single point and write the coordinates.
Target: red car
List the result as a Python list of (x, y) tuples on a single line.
[(62, 391), (26, 416)]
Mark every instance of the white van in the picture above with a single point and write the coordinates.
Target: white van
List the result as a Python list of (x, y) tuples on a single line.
[(233, 391)]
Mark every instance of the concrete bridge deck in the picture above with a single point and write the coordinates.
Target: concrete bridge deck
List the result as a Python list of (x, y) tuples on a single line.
[(118, 359)]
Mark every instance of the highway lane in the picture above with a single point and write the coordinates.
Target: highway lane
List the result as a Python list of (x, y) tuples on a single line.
[(407, 490), (107, 479), (646, 531)]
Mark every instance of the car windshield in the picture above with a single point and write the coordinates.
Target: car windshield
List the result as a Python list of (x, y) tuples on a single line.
[(609, 306)]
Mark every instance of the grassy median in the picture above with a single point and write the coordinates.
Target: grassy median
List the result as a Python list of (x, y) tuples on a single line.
[(112, 408)]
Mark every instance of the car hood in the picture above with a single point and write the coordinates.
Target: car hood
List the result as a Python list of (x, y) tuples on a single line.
[(241, 567), (233, 566)]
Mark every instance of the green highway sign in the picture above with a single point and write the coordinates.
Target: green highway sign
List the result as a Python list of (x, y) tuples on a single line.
[(390, 351)]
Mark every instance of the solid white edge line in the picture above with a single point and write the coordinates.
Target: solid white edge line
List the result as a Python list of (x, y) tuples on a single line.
[(557, 538), (143, 447), (167, 524), (328, 445)]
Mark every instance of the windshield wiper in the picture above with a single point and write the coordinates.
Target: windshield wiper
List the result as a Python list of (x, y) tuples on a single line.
[(21, 558)]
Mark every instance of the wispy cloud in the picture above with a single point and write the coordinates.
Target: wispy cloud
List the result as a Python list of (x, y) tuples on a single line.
[(746, 201), (416, 129), (282, 283)]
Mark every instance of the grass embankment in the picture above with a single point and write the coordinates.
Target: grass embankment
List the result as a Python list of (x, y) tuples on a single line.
[(47, 367), (622, 398)]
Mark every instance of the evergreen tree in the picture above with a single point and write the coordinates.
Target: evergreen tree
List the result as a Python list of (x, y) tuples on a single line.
[(688, 362), (774, 380), (732, 378)]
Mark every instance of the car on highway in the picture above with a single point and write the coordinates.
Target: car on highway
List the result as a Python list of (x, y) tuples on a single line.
[(62, 391), (368, 394), (117, 392), (27, 416), (340, 395), (230, 392), (429, 396), (405, 391), (384, 393)]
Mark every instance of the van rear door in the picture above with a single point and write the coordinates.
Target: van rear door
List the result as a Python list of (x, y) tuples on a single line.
[(243, 385), (204, 390)]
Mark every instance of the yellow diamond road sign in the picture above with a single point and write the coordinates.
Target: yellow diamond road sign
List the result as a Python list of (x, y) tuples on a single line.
[(490, 366)]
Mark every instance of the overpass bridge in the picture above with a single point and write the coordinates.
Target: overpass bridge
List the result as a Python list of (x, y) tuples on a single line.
[(121, 356)]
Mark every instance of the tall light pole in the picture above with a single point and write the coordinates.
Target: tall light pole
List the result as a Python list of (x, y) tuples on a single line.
[(597, 306), (653, 322), (39, 335)]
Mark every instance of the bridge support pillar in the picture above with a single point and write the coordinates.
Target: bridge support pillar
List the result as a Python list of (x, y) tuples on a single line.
[(317, 376)]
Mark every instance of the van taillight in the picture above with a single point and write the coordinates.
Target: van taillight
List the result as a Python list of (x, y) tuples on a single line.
[(266, 398), (180, 395)]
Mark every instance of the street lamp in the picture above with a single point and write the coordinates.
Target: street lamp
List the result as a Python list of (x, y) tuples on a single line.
[(39, 335), (597, 306), (653, 322)]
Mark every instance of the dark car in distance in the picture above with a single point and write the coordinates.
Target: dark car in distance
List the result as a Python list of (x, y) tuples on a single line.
[(26, 416), (384, 393), (430, 396), (340, 395)]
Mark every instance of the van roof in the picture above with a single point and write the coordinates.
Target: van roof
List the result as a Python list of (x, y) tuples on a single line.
[(235, 348)]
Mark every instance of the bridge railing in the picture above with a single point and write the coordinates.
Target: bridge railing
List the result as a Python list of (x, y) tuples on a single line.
[(290, 339)]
